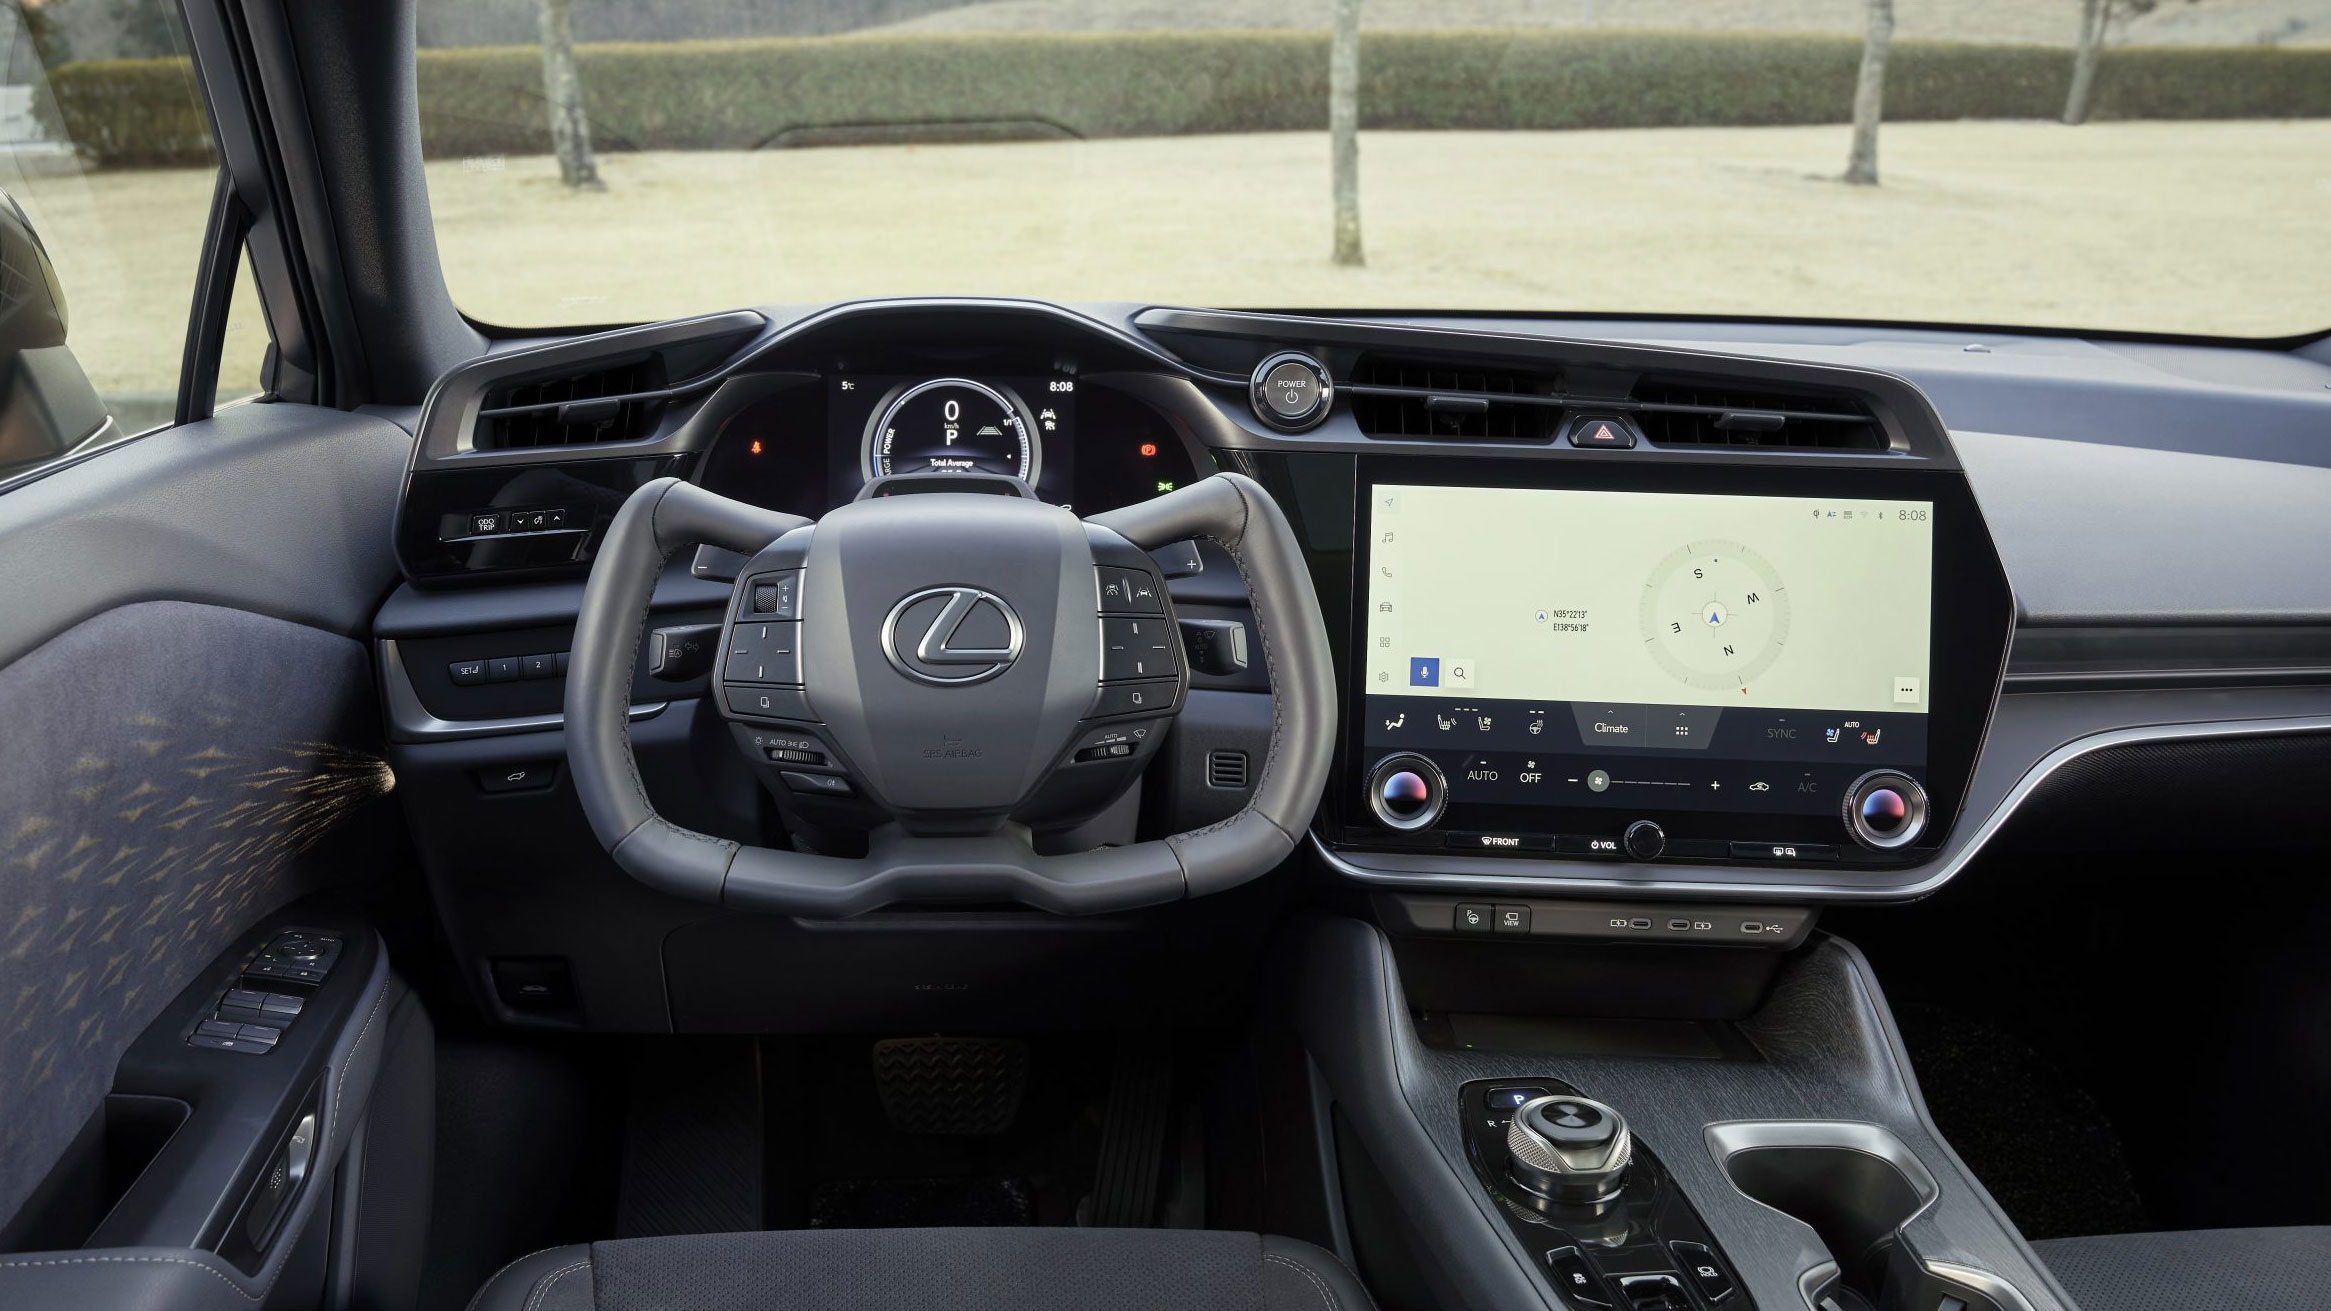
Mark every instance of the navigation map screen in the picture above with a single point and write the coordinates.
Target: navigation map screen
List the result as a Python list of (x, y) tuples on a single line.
[(1654, 650)]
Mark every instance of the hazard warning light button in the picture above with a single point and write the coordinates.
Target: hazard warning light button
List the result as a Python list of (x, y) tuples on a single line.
[(1602, 430)]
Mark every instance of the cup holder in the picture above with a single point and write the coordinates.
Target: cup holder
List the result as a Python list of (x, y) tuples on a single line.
[(1856, 1202), (1855, 1186)]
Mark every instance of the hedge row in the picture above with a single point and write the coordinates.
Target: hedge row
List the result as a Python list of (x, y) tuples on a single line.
[(749, 94)]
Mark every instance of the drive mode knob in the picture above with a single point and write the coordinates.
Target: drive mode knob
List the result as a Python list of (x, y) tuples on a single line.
[(1406, 792), (1644, 840), (1885, 809), (1566, 1148)]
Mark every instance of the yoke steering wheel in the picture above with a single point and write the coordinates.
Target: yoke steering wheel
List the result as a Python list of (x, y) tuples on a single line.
[(960, 666)]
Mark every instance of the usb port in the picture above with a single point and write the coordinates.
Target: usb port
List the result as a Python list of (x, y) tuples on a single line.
[(1679, 926)]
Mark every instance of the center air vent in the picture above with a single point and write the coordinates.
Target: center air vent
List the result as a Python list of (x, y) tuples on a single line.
[(1449, 402), (613, 403), (1685, 413)]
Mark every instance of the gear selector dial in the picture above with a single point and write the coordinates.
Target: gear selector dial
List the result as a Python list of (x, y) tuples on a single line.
[(1566, 1148)]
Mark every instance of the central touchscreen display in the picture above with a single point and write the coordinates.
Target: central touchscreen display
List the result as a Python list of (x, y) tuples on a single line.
[(1652, 651)]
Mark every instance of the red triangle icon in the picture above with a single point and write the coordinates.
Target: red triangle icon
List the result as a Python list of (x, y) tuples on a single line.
[(1603, 433)]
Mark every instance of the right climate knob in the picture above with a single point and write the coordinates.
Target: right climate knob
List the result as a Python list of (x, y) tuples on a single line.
[(1885, 809)]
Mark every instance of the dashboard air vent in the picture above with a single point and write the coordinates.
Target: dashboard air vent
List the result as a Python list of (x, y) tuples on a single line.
[(1226, 769), (612, 403), (1684, 413), (1428, 400)]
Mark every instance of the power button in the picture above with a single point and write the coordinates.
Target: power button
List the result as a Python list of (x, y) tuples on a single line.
[(1291, 391)]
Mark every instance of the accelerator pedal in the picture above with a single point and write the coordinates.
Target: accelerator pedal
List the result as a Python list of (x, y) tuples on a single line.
[(1133, 1136), (956, 1086)]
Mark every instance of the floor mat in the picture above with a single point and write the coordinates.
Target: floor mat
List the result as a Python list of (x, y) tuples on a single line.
[(835, 1147), (921, 1203), (2037, 1140)]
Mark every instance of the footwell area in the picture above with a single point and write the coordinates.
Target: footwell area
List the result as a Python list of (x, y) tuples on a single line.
[(543, 1142), (2108, 1053)]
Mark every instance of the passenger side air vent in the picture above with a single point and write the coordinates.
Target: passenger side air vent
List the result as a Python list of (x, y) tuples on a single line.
[(612, 403), (1684, 413), (1226, 769), (1426, 400)]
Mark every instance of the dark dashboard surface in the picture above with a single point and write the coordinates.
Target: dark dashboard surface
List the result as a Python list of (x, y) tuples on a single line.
[(2157, 510)]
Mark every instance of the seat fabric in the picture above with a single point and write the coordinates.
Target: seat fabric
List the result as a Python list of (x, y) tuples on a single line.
[(931, 1270), (2254, 1269)]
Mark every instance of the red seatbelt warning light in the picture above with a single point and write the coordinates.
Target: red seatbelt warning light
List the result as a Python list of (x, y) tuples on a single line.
[(756, 448)]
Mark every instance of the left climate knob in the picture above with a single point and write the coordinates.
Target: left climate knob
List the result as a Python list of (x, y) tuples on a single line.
[(1407, 792)]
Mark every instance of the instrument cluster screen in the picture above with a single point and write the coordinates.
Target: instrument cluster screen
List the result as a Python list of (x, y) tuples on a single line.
[(1653, 651), (1023, 427)]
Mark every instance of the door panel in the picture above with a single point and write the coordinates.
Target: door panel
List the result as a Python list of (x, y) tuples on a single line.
[(187, 712)]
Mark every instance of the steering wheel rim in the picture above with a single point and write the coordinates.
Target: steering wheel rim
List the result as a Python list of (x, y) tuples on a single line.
[(668, 515)]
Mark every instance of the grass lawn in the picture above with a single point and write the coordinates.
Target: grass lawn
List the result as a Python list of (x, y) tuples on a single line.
[(2183, 227)]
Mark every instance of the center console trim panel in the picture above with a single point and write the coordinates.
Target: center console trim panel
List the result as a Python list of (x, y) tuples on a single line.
[(1830, 1053)]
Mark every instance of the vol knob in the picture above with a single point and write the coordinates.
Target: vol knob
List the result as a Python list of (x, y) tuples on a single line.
[(1644, 840)]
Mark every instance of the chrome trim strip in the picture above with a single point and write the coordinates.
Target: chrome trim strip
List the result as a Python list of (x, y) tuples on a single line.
[(1553, 878), (1989, 1285), (410, 721)]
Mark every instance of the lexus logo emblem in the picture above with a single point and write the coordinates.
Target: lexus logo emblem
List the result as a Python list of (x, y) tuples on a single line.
[(951, 636)]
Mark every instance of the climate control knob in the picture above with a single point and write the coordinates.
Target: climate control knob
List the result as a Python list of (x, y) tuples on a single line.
[(1407, 792), (1885, 809)]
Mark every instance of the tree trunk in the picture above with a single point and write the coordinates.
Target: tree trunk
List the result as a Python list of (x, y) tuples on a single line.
[(562, 92), (1343, 129), (1869, 95), (2094, 16)]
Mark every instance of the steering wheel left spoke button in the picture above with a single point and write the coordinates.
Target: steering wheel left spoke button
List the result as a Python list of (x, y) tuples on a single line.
[(769, 702), (764, 653)]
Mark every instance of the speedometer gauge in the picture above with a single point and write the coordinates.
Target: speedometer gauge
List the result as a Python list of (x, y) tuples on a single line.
[(952, 425)]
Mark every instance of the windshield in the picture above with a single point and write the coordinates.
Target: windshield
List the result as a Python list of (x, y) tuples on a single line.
[(2156, 167)]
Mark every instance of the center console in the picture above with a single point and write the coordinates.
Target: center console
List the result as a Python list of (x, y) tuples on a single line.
[(1754, 1146)]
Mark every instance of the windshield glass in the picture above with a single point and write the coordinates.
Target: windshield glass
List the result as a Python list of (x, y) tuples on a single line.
[(597, 161)]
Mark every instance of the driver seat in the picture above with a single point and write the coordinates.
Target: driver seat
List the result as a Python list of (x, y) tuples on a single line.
[(930, 1270)]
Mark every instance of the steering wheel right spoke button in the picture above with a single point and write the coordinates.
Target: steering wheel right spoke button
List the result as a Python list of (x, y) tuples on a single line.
[(1114, 742)]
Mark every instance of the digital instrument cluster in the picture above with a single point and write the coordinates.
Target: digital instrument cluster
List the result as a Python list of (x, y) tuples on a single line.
[(811, 447)]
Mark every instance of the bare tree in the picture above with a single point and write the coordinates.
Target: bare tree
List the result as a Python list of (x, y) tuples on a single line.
[(562, 91), (2096, 20), (1869, 95), (1343, 129)]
